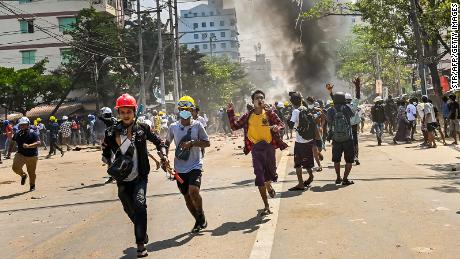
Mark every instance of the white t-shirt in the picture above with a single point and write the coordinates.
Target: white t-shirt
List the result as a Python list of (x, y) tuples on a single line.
[(203, 121), (428, 110), (295, 120), (124, 147), (411, 111)]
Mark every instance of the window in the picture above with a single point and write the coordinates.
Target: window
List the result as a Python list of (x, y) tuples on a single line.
[(233, 44), (65, 55), (204, 36), (203, 24), (24, 1), (185, 15), (222, 23), (26, 26), (223, 45), (66, 23), (211, 24), (195, 26), (203, 14), (28, 57), (233, 33), (195, 36), (197, 47), (211, 13), (213, 35), (195, 14), (213, 46), (205, 46), (222, 34)]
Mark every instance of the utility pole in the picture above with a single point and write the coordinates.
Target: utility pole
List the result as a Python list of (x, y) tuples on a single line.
[(178, 60), (419, 44), (174, 61), (142, 98), (161, 57)]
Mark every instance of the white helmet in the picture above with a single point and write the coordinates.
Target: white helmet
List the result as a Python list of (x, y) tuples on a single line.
[(24, 120), (106, 110), (377, 99), (141, 119), (348, 96), (64, 118), (148, 122)]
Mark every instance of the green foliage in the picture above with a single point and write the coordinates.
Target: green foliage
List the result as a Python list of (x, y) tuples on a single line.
[(24, 89)]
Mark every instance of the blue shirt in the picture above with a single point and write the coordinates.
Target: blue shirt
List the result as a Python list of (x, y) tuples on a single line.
[(28, 136), (445, 109)]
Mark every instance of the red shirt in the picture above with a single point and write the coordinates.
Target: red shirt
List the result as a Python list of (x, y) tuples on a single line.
[(9, 131)]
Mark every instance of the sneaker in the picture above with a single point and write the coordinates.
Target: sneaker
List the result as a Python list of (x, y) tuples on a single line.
[(203, 222), (357, 162), (32, 188), (62, 153), (196, 228), (23, 179)]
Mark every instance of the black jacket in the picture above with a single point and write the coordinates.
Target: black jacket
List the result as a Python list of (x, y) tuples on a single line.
[(378, 113), (143, 134)]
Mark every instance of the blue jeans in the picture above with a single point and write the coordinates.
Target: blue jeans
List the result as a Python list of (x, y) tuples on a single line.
[(378, 126)]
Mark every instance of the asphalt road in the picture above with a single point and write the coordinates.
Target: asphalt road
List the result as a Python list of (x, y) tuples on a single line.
[(404, 204)]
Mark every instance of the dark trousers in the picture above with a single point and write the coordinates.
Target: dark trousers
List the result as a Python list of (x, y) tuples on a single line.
[(54, 146), (132, 197), (354, 129)]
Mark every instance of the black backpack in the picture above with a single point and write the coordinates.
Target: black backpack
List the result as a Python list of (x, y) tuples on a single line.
[(307, 124)]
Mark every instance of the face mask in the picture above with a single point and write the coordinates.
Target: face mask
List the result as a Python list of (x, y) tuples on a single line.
[(414, 103), (185, 114)]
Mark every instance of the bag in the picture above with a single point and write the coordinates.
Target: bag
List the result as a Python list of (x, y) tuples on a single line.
[(184, 154), (123, 164), (307, 125), (341, 129)]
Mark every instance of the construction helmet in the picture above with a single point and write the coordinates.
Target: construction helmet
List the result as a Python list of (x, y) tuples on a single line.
[(23, 120), (64, 118), (286, 104), (39, 119), (126, 100), (35, 122), (106, 110), (53, 119), (186, 102)]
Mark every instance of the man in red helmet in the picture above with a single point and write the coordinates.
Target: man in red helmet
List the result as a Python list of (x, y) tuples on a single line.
[(127, 140)]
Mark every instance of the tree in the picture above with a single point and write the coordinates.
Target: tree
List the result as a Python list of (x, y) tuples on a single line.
[(24, 89)]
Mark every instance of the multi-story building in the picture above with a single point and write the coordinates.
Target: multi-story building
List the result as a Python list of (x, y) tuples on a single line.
[(210, 29), (31, 30)]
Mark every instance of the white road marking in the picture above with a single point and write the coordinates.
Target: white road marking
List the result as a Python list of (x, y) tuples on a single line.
[(266, 234)]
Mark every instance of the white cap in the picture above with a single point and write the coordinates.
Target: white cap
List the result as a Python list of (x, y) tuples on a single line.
[(65, 118), (280, 105), (24, 120), (148, 122), (106, 110), (348, 96), (377, 99)]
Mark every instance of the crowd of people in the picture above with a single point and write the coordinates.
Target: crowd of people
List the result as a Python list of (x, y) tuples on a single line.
[(339, 121)]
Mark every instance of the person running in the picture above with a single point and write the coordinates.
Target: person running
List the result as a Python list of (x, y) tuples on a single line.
[(340, 133), (43, 133), (54, 134), (378, 118), (303, 122), (454, 118), (411, 113), (126, 143), (189, 137), (261, 137), (66, 131), (28, 142), (355, 120)]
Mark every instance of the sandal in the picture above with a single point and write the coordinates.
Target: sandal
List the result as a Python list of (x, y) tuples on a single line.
[(319, 169), (347, 182), (142, 253), (338, 181), (308, 182), (297, 188), (265, 212)]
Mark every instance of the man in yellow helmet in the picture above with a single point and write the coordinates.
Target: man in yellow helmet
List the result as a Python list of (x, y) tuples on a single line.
[(54, 133), (190, 137)]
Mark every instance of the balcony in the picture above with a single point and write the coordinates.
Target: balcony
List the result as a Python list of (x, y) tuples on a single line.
[(108, 6)]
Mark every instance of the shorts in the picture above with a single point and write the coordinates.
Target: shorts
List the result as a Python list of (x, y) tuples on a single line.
[(454, 126), (347, 148), (264, 163), (303, 155), (432, 126), (191, 178)]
